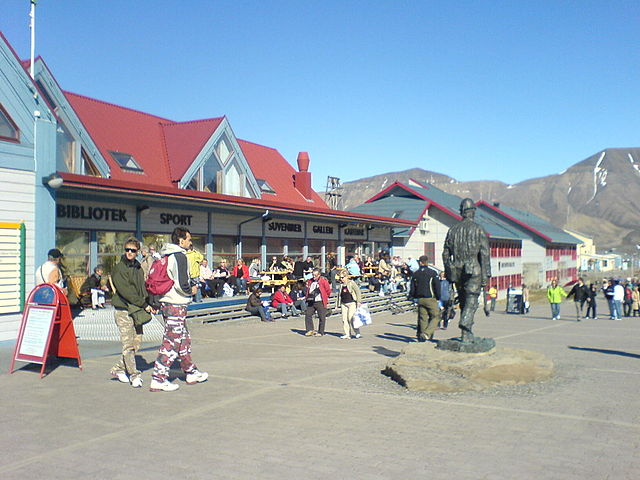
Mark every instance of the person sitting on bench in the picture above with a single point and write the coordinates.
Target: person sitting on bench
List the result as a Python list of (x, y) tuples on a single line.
[(282, 301)]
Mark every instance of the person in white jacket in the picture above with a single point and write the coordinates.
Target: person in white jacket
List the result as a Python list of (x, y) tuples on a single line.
[(176, 342)]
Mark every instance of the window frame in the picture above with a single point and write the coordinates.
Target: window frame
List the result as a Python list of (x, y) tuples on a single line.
[(125, 168), (12, 124)]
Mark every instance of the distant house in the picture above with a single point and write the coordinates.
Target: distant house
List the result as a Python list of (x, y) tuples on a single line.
[(585, 250), (436, 211), (548, 252)]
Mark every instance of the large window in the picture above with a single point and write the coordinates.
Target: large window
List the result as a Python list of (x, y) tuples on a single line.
[(275, 247), (222, 173), (295, 247), (315, 251), (351, 249), (111, 248), (8, 129), (211, 175), (251, 247), (159, 240), (74, 244), (224, 247), (65, 150)]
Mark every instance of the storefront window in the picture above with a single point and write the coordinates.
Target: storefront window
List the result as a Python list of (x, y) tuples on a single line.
[(315, 251), (368, 249), (250, 248), (352, 248), (156, 240), (159, 240), (295, 247), (74, 244), (275, 247), (224, 248), (111, 248)]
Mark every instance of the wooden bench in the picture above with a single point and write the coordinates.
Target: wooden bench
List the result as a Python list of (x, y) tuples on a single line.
[(394, 303)]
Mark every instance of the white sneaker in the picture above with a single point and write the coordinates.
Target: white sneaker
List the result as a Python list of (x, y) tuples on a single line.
[(136, 382), (197, 377), (165, 386), (121, 376), (345, 337), (358, 335)]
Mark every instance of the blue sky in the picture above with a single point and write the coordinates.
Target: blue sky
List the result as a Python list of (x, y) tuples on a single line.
[(478, 90)]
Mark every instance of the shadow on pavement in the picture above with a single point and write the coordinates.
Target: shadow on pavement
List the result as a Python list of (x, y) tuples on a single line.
[(396, 337), (606, 351), (408, 325), (380, 350), (143, 365)]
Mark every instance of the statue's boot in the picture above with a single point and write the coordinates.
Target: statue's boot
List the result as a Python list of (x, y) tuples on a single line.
[(467, 336)]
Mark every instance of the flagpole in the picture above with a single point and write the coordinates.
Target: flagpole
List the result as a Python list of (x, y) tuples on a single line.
[(32, 26)]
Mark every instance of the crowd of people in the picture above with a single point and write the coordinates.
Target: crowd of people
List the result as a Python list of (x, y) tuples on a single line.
[(622, 298), (138, 282)]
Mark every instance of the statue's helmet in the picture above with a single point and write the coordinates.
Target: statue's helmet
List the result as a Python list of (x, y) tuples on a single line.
[(466, 204)]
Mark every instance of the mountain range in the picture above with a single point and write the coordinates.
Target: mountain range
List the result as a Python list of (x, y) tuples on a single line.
[(598, 196)]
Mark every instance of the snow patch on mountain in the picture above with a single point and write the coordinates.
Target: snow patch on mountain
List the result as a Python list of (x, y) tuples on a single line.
[(599, 176)]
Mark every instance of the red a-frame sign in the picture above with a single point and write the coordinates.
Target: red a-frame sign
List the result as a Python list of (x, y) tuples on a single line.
[(46, 328)]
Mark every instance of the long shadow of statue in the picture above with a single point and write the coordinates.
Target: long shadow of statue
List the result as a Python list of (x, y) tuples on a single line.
[(606, 351)]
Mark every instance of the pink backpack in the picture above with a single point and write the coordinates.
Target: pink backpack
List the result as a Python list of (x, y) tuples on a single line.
[(158, 281)]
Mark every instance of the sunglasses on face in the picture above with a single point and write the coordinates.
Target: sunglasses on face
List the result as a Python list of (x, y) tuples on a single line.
[(131, 250)]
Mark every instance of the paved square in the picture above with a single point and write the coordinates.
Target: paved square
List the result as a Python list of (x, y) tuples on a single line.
[(280, 405)]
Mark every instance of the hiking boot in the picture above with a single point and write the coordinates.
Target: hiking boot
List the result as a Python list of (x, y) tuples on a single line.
[(165, 386), (121, 376), (136, 382), (196, 377)]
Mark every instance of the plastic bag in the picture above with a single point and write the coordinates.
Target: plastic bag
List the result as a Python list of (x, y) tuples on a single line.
[(227, 291), (362, 316)]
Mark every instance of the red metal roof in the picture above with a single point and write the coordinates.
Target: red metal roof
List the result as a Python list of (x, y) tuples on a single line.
[(125, 130), (184, 141), (267, 164), (165, 149)]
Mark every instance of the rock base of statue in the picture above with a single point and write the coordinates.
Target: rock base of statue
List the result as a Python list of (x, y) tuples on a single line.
[(478, 345), (422, 367)]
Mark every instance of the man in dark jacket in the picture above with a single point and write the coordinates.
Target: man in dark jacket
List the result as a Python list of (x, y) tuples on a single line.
[(580, 293), (425, 287), (130, 303)]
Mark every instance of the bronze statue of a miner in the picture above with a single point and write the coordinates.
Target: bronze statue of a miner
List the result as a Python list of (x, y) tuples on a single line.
[(467, 264)]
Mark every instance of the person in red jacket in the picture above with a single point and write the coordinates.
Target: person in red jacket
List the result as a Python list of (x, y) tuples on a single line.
[(318, 292), (283, 302), (241, 274)]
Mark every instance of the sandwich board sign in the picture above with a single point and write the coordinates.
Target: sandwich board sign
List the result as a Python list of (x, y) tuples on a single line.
[(46, 329)]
